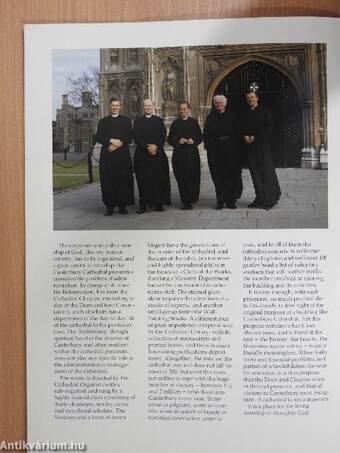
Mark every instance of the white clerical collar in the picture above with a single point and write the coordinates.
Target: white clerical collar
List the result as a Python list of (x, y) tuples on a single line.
[(114, 115), (185, 118), (148, 116)]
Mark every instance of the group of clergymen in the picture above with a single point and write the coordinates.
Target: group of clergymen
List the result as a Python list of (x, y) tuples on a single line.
[(224, 135)]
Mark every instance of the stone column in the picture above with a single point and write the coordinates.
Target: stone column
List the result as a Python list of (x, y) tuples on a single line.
[(147, 74), (103, 101), (323, 107), (152, 75), (310, 155), (186, 80)]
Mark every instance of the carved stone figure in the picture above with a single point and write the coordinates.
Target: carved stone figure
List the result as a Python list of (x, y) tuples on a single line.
[(169, 85), (134, 97), (169, 90)]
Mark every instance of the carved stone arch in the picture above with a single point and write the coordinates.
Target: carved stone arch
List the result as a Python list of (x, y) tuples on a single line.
[(262, 59), (282, 93)]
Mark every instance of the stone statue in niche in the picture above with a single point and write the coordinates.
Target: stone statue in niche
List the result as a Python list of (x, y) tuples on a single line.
[(134, 97), (169, 90), (169, 87)]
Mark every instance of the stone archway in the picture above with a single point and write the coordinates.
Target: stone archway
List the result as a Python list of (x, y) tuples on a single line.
[(281, 94), (261, 59)]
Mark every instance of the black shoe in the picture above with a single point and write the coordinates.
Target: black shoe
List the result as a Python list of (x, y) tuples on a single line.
[(255, 204), (219, 205), (122, 210), (186, 206), (141, 209), (267, 207), (159, 207), (108, 211), (231, 205)]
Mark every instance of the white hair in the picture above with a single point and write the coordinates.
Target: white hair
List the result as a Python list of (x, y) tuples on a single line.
[(148, 100), (220, 98)]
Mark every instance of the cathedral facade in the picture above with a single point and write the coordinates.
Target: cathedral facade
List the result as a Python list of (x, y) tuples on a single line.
[(289, 78), (75, 126)]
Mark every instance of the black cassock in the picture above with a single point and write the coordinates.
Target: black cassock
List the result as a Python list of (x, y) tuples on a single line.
[(258, 123), (152, 172), (221, 139), (115, 168), (185, 158)]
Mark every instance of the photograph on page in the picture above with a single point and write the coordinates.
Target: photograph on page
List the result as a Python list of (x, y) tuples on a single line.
[(224, 136), (182, 235)]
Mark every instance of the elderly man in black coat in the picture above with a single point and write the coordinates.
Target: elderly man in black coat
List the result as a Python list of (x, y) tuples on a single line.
[(221, 139)]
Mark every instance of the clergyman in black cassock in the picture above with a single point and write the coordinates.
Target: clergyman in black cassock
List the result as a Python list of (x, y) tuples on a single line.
[(185, 135), (115, 164), (150, 161), (221, 139), (257, 124)]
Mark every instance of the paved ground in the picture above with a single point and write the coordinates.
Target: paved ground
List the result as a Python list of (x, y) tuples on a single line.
[(303, 204)]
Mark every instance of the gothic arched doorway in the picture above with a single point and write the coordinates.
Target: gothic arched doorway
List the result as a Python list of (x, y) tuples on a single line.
[(279, 94)]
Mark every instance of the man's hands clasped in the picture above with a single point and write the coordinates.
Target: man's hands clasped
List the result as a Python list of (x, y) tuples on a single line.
[(115, 143)]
